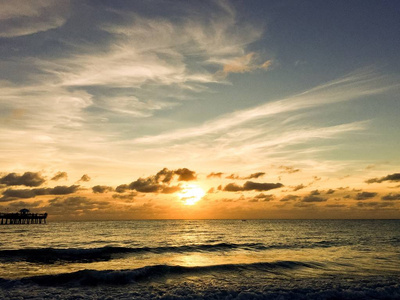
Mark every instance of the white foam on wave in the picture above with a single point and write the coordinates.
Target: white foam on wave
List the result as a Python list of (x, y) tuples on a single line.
[(306, 288)]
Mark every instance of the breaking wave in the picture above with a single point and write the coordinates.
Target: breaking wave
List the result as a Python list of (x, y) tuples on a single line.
[(83, 255), (138, 284), (123, 277)]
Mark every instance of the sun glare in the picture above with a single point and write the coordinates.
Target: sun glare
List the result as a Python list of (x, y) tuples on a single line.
[(191, 194)]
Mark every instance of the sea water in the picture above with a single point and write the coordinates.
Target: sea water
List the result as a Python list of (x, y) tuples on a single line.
[(202, 259)]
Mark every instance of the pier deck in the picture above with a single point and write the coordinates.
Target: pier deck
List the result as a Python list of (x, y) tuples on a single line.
[(22, 218)]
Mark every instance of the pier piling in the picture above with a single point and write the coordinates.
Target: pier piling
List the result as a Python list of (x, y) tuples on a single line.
[(22, 217)]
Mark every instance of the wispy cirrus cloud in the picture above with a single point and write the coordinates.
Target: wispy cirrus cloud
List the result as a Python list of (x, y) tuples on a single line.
[(244, 64), (268, 132), (24, 17), (181, 49), (122, 68), (350, 87)]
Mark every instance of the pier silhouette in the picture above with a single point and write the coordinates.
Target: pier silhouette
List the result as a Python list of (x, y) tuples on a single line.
[(22, 217)]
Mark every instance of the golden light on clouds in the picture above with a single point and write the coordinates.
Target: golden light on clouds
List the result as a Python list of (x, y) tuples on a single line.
[(191, 194), (153, 103)]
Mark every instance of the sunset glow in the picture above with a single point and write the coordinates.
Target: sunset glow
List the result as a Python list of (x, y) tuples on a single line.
[(239, 109), (209, 149), (191, 194)]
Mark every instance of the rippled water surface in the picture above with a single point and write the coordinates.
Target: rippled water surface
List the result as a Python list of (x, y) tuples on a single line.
[(203, 258)]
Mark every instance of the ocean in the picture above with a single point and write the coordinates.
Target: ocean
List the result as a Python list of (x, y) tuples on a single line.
[(201, 259)]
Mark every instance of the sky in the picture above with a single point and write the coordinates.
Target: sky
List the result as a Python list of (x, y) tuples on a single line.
[(179, 109)]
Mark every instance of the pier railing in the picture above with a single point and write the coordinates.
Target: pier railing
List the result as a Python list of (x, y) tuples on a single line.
[(22, 218)]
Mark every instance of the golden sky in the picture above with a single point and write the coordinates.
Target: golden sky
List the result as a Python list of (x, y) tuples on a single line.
[(208, 109)]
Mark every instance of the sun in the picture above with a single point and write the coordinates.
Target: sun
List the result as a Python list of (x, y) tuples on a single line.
[(191, 193)]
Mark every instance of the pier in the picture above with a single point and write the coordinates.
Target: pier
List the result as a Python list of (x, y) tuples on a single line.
[(22, 217)]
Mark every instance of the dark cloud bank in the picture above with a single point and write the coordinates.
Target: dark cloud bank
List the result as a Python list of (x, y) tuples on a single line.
[(60, 175), (252, 186), (392, 177), (99, 189), (27, 179), (215, 174), (365, 195), (159, 183), (251, 176), (14, 194), (84, 178), (391, 197)]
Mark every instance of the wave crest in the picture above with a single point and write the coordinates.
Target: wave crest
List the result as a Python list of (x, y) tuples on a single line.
[(123, 277), (83, 255), (52, 255)]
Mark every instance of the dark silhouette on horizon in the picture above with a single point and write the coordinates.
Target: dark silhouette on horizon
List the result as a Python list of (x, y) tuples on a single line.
[(24, 216)]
